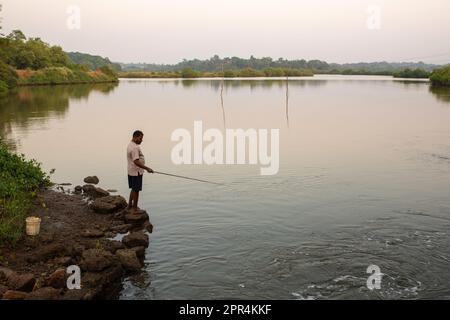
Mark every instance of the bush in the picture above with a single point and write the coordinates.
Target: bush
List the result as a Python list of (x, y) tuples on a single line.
[(63, 75), (189, 73), (8, 75), (20, 179), (3, 88), (441, 77), (409, 73)]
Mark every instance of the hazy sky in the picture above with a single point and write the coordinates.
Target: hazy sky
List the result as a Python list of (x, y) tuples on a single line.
[(166, 31)]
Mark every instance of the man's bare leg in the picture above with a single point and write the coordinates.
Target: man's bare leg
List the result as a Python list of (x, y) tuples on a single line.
[(130, 201), (136, 199)]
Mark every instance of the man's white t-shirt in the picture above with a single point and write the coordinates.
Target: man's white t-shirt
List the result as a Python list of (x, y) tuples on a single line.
[(134, 153)]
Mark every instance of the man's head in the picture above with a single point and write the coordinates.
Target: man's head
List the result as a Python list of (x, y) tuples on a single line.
[(138, 136)]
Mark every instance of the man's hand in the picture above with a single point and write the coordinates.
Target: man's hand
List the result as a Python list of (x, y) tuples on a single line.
[(149, 170)]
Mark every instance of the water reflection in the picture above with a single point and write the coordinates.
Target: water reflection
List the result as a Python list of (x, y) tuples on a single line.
[(28, 106), (441, 93)]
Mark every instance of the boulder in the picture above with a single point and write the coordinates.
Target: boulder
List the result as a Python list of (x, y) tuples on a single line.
[(82, 294), (14, 295), (62, 261), (78, 189), (93, 233), (5, 273), (3, 289), (113, 246), (148, 226), (136, 239), (109, 204), (96, 260), (140, 252), (94, 192), (45, 293), (101, 193), (47, 237), (136, 218), (91, 179), (129, 259), (58, 279), (49, 251), (21, 282), (122, 228)]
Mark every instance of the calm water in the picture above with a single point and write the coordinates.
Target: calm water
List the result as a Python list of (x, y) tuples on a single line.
[(364, 179)]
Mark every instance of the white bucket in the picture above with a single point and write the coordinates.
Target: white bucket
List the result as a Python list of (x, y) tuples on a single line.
[(33, 226)]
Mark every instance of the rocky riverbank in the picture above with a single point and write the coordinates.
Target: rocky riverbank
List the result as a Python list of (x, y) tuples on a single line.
[(77, 228)]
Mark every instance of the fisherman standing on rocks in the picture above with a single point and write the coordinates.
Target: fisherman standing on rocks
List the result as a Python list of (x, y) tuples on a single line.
[(136, 168)]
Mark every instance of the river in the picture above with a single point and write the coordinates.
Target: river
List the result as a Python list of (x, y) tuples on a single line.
[(364, 179)]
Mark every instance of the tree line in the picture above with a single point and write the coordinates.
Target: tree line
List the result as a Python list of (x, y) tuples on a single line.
[(32, 61)]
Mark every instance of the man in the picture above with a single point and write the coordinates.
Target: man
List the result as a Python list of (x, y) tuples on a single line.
[(136, 168)]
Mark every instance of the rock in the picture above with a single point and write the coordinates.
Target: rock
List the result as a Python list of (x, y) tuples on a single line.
[(113, 246), (119, 215), (14, 295), (3, 289), (93, 280), (148, 226), (81, 294), (109, 234), (99, 280), (5, 273), (94, 192), (109, 204), (129, 259), (101, 193), (103, 207), (88, 189), (91, 179), (136, 239), (49, 251), (58, 279), (111, 190), (63, 261), (96, 260), (123, 228), (136, 218), (140, 252), (93, 233), (45, 293), (21, 282), (78, 189), (47, 237)]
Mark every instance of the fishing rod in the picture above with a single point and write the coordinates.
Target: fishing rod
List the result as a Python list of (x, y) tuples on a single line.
[(189, 178)]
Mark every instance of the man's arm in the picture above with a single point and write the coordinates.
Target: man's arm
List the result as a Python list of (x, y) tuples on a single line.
[(141, 165)]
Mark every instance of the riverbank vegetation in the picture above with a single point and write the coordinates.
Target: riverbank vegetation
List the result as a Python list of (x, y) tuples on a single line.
[(441, 77), (31, 61), (268, 67), (20, 179), (242, 73)]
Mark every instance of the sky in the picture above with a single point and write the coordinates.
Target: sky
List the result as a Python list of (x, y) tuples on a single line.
[(167, 31)]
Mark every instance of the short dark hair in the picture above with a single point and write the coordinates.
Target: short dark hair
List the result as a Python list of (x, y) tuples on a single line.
[(138, 133)]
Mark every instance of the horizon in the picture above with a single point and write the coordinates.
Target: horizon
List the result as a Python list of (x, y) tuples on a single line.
[(384, 31)]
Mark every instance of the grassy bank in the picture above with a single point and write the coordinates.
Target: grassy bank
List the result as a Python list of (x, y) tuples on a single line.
[(19, 181), (64, 75), (241, 73), (441, 77), (31, 61)]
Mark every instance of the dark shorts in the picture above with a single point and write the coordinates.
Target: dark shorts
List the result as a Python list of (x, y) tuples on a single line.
[(135, 182)]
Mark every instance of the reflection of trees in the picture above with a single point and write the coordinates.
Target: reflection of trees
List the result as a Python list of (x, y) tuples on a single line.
[(441, 93), (29, 105), (251, 83)]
